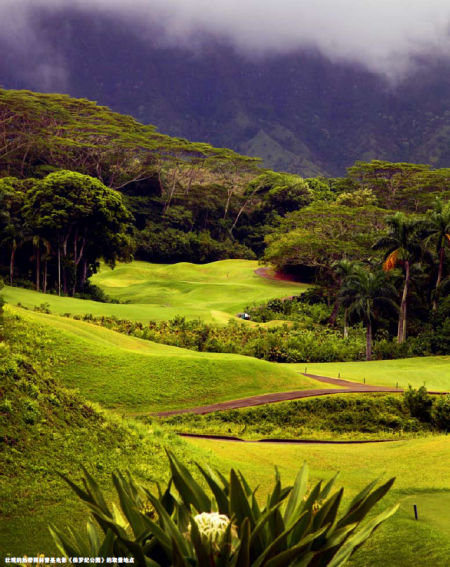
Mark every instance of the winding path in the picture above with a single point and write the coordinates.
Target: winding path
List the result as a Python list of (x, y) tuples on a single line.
[(345, 387)]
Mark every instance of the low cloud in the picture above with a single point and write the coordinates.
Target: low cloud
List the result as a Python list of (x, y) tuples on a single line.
[(384, 35)]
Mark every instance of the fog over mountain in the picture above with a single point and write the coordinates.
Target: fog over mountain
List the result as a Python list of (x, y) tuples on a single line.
[(309, 86), (382, 34)]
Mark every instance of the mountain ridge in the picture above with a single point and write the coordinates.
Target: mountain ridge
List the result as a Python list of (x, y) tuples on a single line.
[(298, 110)]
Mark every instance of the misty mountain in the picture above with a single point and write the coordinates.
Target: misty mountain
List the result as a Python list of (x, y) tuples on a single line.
[(299, 111)]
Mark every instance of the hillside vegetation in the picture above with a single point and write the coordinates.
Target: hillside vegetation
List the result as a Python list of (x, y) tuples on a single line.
[(134, 376), (45, 428), (298, 109)]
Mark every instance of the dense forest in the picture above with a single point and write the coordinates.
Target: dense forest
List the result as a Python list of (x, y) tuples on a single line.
[(80, 183)]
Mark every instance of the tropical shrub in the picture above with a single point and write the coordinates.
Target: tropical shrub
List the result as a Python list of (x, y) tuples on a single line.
[(418, 402), (441, 413), (186, 526)]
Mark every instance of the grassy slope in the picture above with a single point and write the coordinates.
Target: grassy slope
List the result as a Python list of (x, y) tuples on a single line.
[(434, 371), (223, 287), (135, 375), (422, 468), (212, 292), (45, 428)]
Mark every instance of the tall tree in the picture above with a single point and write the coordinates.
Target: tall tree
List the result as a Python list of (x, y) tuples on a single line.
[(437, 232), (403, 248), (13, 229), (363, 293), (388, 181), (323, 233), (81, 219)]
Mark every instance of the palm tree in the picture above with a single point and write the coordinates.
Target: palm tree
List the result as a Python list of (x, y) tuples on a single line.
[(403, 248), (363, 293), (438, 232), (341, 270)]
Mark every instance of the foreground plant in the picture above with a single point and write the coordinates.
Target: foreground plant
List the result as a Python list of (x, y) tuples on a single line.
[(185, 526)]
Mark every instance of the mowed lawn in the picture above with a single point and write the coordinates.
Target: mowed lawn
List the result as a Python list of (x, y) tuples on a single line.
[(431, 371), (422, 471), (136, 376), (213, 292)]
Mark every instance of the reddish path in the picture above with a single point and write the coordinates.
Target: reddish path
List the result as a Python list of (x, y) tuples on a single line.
[(346, 388)]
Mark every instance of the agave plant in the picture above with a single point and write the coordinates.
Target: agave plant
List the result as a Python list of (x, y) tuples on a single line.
[(185, 525)]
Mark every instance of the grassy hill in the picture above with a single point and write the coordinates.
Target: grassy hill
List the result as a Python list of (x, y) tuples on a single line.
[(45, 428), (214, 289), (212, 292), (135, 375)]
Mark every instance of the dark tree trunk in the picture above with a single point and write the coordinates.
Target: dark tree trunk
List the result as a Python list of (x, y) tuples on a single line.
[(439, 277), (77, 257), (59, 269), (369, 340), (64, 268), (11, 264), (334, 312), (346, 323), (84, 276), (401, 331), (44, 281), (38, 268)]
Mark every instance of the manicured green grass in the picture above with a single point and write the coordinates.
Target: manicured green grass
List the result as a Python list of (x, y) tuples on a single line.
[(137, 376), (422, 468), (433, 371), (226, 286), (212, 292), (134, 376)]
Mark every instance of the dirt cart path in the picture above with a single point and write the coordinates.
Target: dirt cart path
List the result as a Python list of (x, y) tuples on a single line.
[(346, 387)]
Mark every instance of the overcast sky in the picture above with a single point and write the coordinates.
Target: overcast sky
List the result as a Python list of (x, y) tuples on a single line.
[(383, 34)]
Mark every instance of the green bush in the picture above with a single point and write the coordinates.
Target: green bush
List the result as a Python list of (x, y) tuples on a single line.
[(389, 349), (226, 527), (441, 413), (418, 402)]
